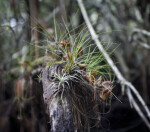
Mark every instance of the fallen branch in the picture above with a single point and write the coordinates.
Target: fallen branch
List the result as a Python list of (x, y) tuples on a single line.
[(122, 80)]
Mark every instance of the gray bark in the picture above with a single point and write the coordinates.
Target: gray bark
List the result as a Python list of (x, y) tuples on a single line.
[(59, 109)]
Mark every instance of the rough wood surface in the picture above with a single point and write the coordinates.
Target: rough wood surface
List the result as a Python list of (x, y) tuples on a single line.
[(61, 119)]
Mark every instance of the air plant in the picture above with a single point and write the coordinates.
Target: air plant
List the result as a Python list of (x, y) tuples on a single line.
[(83, 64)]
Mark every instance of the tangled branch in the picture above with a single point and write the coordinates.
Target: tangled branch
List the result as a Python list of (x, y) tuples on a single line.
[(120, 77)]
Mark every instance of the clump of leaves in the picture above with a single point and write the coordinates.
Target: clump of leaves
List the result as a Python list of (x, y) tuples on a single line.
[(74, 49)]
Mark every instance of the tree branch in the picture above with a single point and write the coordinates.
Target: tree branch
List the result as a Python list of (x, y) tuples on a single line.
[(134, 104), (141, 31), (122, 80), (34, 15), (145, 45)]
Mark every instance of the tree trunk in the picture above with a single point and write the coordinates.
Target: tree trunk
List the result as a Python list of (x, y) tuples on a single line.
[(59, 109)]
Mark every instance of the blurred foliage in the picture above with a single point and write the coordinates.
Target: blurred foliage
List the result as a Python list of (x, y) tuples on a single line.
[(115, 20)]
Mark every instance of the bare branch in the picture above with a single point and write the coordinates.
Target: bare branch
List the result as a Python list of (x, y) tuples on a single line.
[(122, 80), (134, 104), (34, 15), (145, 45), (142, 31)]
